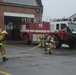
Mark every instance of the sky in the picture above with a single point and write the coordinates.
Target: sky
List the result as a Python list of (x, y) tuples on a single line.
[(58, 8)]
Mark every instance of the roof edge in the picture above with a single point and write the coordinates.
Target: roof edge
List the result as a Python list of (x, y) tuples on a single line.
[(19, 5)]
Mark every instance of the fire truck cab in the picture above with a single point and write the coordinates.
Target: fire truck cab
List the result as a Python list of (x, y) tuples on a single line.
[(64, 32)]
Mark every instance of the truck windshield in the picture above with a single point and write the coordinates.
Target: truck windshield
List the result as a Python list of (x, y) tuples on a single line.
[(73, 27)]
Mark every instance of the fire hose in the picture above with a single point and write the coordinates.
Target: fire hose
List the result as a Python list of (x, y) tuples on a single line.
[(28, 49), (33, 47)]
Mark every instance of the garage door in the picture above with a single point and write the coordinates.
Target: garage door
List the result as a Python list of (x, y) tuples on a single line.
[(19, 14)]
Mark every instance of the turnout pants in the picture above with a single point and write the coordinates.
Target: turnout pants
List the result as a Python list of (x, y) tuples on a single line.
[(51, 46), (2, 51)]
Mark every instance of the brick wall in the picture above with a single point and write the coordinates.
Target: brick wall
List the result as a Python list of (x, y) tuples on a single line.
[(1, 20), (1, 0), (16, 10)]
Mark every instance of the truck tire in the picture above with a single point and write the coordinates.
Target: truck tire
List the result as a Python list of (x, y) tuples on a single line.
[(71, 43), (58, 43), (26, 39)]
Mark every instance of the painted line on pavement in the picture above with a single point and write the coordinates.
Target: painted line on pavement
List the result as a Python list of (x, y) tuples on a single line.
[(4, 73)]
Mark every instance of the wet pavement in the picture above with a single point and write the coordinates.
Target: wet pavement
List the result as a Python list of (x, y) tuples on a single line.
[(27, 60)]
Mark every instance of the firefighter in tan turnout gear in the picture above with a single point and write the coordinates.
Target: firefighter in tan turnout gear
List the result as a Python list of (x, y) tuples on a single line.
[(41, 40), (2, 41), (51, 43)]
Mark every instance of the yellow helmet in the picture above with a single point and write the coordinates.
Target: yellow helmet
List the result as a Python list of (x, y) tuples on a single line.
[(4, 32)]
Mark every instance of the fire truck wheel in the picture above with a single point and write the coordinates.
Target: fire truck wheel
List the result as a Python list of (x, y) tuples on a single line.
[(71, 43), (58, 43), (26, 39), (71, 46)]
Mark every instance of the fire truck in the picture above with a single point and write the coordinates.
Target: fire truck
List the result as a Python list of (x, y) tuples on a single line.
[(63, 31)]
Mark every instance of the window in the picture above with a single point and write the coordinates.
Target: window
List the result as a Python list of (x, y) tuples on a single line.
[(26, 19), (57, 26), (63, 26)]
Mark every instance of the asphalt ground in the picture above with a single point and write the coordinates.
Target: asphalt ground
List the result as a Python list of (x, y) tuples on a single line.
[(31, 60)]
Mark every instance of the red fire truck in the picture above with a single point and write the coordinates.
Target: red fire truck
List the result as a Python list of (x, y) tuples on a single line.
[(64, 32)]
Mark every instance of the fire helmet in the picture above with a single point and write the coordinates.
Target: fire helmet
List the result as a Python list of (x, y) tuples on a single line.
[(4, 32)]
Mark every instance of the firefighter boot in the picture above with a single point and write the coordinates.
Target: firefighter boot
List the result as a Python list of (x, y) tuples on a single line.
[(4, 59), (50, 51), (42, 45)]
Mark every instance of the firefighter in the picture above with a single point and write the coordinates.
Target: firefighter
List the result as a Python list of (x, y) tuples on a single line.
[(41, 40), (51, 43), (2, 41)]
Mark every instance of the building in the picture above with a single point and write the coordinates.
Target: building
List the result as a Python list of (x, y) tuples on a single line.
[(13, 12)]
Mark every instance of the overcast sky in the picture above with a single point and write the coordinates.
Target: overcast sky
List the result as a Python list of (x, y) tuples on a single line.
[(58, 8)]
